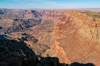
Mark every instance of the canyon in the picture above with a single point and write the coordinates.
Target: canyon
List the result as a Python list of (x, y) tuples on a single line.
[(69, 35)]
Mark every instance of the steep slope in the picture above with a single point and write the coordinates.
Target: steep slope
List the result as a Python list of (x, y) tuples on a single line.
[(79, 37)]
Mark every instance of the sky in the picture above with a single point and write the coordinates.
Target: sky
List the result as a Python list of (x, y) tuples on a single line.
[(49, 4)]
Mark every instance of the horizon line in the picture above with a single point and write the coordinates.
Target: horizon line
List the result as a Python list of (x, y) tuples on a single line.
[(47, 8)]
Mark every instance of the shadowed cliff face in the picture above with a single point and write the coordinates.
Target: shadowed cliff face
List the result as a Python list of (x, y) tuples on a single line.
[(17, 53), (70, 36)]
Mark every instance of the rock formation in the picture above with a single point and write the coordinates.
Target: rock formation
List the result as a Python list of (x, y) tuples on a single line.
[(70, 35)]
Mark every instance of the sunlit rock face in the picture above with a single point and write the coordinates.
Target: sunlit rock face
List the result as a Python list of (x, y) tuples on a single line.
[(71, 36)]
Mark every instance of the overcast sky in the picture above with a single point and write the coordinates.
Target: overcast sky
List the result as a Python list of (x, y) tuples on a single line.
[(49, 4)]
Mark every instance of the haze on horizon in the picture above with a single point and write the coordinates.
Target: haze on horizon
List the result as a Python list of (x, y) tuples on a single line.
[(49, 4)]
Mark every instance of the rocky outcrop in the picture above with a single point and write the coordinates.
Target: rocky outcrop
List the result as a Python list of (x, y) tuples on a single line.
[(79, 37), (18, 20)]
